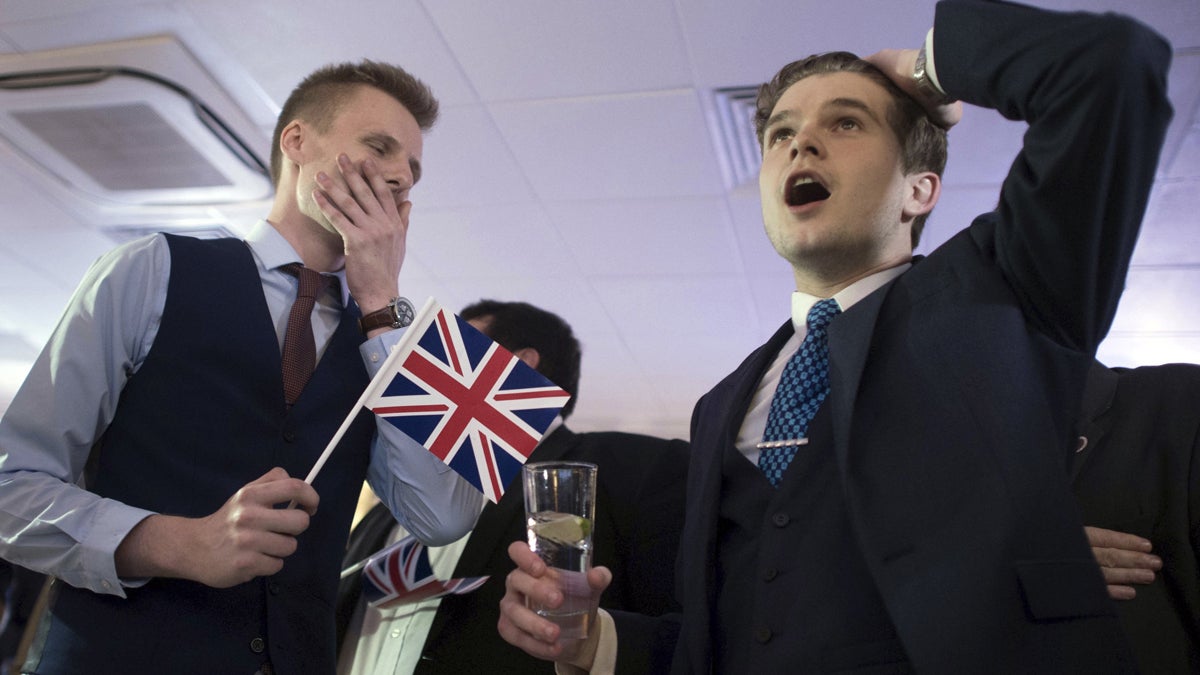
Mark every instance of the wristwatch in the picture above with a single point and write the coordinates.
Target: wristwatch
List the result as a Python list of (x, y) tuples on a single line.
[(925, 84), (398, 313)]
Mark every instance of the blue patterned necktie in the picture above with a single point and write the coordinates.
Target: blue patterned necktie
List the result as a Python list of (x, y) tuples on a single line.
[(802, 387)]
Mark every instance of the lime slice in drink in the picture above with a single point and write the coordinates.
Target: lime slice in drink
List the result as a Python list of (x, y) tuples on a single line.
[(564, 528)]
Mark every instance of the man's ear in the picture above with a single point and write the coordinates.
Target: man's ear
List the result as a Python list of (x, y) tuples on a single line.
[(292, 141), (530, 356), (924, 188)]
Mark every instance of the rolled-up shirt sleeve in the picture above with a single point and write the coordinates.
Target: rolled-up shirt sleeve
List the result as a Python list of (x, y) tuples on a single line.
[(48, 521)]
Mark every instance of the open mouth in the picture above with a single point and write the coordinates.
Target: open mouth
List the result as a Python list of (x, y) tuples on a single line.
[(805, 190)]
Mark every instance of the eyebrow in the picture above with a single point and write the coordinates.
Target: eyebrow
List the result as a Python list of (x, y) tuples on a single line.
[(833, 104)]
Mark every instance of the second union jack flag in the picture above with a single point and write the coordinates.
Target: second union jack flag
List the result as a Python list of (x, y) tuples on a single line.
[(401, 573), (472, 403)]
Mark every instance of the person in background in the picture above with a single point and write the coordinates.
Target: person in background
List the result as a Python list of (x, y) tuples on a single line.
[(639, 514), (1136, 474), (894, 498), (19, 590), (191, 385)]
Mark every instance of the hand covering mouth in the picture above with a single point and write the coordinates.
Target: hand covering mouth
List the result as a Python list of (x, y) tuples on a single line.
[(805, 190)]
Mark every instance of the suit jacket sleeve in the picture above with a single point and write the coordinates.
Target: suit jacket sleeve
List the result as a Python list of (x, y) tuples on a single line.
[(1093, 90)]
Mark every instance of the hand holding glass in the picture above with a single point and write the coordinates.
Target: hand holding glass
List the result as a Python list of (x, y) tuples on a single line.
[(560, 505)]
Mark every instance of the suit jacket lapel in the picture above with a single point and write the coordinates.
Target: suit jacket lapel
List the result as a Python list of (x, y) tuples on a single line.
[(1095, 423), (704, 491), (849, 341)]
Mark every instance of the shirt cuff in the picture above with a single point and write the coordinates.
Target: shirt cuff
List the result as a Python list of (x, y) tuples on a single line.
[(605, 661), (930, 67), (375, 351)]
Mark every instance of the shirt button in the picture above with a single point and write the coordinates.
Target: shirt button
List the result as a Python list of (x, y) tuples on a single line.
[(781, 519), (374, 357), (105, 585), (396, 632), (770, 574), (257, 645), (762, 635)]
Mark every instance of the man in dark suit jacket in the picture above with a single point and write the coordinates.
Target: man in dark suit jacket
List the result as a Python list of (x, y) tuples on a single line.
[(927, 525), (1136, 474), (639, 515)]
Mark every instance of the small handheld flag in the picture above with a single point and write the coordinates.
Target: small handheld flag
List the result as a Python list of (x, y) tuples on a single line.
[(469, 401), (401, 574)]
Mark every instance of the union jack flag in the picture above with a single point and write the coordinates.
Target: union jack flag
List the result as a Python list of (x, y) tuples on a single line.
[(401, 574), (473, 404)]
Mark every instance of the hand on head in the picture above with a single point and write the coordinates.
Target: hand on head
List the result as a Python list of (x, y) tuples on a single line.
[(372, 219), (898, 65)]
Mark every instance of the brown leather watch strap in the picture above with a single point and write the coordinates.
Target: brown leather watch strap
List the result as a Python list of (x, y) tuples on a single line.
[(380, 318)]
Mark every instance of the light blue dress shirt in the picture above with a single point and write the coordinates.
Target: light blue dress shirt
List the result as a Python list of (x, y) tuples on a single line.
[(49, 523)]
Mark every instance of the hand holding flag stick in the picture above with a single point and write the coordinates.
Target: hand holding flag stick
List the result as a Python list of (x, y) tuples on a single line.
[(468, 400)]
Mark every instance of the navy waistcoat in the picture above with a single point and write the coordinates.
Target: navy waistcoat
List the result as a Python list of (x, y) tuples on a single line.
[(203, 416), (793, 592)]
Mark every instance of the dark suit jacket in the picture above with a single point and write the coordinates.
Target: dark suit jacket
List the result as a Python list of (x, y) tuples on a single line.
[(955, 388), (639, 514), (1139, 472)]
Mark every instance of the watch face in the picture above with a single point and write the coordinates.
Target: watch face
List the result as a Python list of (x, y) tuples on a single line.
[(403, 311)]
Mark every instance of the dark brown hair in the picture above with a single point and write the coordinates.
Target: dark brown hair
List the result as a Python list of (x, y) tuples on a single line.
[(922, 143)]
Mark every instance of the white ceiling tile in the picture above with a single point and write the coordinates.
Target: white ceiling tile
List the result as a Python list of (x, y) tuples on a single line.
[(84, 23), (1185, 162), (569, 297), (1183, 87), (481, 242), (16, 271), (26, 10), (32, 312), (772, 297), (1170, 234), (281, 42), (982, 147), (58, 255), (555, 49), (1159, 301), (678, 307), (745, 43), (956, 209), (641, 145), (466, 163), (1149, 350), (647, 236)]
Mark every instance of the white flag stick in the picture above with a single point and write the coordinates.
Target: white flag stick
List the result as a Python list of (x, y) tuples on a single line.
[(381, 379), (355, 567)]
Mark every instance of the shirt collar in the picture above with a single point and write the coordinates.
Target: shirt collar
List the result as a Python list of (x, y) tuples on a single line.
[(273, 251), (802, 302)]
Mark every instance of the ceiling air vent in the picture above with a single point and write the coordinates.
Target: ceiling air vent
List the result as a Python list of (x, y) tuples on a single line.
[(157, 132), (733, 133)]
